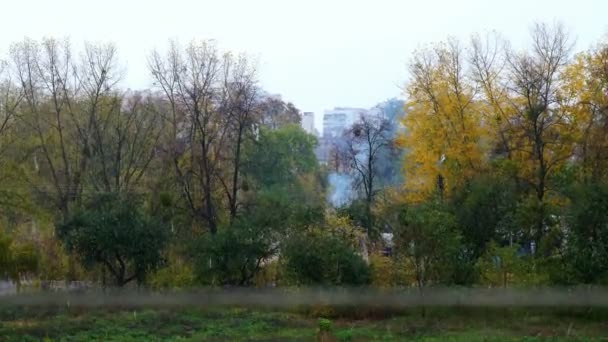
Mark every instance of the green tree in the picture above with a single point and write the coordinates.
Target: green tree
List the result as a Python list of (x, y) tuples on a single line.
[(279, 157), (428, 240), (586, 240), (114, 231), (485, 210), (279, 194), (281, 164), (239, 250)]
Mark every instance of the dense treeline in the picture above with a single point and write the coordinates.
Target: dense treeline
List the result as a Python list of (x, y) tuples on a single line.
[(111, 185), (206, 180), (506, 154)]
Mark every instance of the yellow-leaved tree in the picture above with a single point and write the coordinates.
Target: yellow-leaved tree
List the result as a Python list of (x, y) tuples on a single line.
[(585, 97), (468, 110), (444, 137)]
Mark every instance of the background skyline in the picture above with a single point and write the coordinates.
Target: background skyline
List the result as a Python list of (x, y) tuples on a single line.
[(316, 54)]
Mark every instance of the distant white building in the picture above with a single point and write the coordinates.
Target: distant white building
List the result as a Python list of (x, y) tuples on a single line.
[(308, 122), (337, 120)]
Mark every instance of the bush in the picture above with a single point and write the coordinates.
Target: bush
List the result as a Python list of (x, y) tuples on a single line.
[(239, 251), (504, 266), (383, 271), (484, 210), (321, 259), (325, 324), (268, 274), (233, 256), (325, 331), (176, 275), (17, 259)]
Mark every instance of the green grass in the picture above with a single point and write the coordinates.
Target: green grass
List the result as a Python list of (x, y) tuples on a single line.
[(181, 325)]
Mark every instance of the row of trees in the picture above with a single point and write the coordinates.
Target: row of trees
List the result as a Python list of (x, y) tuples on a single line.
[(505, 168), (207, 180), (205, 169)]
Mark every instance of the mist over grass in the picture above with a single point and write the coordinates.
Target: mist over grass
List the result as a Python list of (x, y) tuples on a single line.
[(287, 298)]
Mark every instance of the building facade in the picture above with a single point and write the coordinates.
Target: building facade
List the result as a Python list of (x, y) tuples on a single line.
[(308, 122), (337, 120)]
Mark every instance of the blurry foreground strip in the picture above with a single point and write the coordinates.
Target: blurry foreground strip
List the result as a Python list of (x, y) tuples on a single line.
[(277, 298)]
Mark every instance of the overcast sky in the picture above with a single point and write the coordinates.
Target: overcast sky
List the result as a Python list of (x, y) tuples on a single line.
[(316, 53)]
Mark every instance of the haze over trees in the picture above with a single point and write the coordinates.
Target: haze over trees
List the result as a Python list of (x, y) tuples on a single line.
[(496, 174)]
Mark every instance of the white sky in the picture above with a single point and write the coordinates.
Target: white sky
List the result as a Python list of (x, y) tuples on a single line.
[(316, 53)]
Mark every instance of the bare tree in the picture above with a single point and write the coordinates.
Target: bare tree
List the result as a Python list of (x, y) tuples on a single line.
[(363, 144), (188, 79), (213, 107), (64, 102), (10, 98), (45, 71), (239, 107), (102, 104), (124, 142)]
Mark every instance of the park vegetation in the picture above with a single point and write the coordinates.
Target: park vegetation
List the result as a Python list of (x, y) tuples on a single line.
[(204, 180)]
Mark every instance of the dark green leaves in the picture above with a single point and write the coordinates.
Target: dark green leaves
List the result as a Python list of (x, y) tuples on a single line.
[(114, 231)]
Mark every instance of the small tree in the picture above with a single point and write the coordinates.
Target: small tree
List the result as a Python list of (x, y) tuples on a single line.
[(499, 266), (114, 231), (428, 239)]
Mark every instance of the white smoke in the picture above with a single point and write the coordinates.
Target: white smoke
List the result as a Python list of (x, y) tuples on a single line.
[(341, 189)]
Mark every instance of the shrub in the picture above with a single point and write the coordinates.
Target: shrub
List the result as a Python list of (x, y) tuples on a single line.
[(176, 275), (382, 271), (17, 259), (325, 331), (233, 256), (325, 324), (321, 259), (504, 266), (268, 274)]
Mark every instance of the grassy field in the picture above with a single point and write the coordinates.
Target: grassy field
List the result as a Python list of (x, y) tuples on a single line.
[(238, 324)]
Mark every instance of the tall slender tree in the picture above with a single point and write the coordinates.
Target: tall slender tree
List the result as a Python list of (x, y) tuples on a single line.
[(212, 99)]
